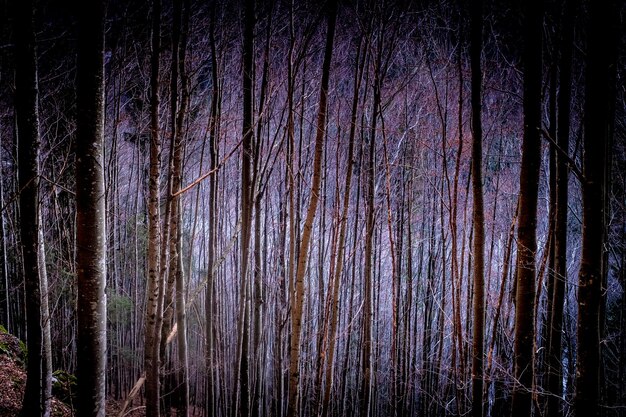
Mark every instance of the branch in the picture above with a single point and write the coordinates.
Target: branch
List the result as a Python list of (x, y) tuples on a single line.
[(137, 387), (570, 162), (208, 173)]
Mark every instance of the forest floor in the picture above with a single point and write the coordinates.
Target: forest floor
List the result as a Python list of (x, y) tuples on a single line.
[(13, 382), (13, 379)]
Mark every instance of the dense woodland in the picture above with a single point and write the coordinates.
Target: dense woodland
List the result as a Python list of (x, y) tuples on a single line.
[(312, 208)]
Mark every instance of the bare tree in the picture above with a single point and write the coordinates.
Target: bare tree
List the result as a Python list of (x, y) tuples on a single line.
[(38, 391), (527, 220), (479, 215), (555, 363), (303, 250), (599, 105)]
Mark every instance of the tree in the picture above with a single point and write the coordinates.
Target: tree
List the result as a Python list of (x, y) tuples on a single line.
[(153, 328), (479, 215), (555, 364), (38, 391), (211, 243), (176, 245), (90, 226), (528, 196), (246, 209), (303, 250), (338, 262), (599, 105)]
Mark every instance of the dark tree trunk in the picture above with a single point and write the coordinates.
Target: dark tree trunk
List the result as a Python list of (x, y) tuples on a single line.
[(212, 232), (479, 215), (37, 395), (90, 224), (526, 230), (246, 206), (599, 97), (555, 364)]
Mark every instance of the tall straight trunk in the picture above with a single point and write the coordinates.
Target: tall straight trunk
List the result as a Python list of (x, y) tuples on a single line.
[(176, 258), (37, 394), (366, 351), (153, 328), (526, 230), (210, 355), (599, 98), (90, 221), (339, 261), (4, 274), (181, 334), (170, 218), (246, 207), (258, 186), (298, 299), (555, 364), (479, 214)]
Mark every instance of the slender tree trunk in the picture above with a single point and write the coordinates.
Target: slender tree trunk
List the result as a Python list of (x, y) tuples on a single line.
[(555, 364), (153, 328), (602, 50), (171, 217), (339, 261), (90, 223), (211, 389), (246, 206), (176, 258), (526, 231), (298, 301), (37, 394), (479, 215), (4, 275), (258, 187)]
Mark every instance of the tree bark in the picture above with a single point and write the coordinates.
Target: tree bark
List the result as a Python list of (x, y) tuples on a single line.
[(599, 97), (479, 215), (37, 395), (176, 258), (298, 300), (555, 364), (343, 220), (153, 328), (212, 226), (526, 231), (90, 222), (243, 391)]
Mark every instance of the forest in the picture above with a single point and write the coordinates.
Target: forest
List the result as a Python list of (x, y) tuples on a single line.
[(313, 208)]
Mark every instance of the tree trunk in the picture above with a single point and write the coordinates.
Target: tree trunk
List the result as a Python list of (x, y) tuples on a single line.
[(555, 364), (212, 226), (4, 275), (176, 258), (243, 391), (526, 231), (601, 54), (153, 328), (343, 220), (298, 301), (479, 215), (37, 394), (90, 222)]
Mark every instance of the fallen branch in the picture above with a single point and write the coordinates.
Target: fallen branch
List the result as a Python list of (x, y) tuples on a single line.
[(137, 387)]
